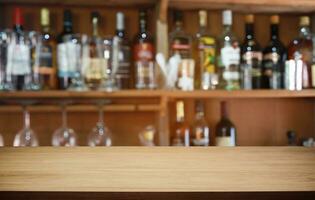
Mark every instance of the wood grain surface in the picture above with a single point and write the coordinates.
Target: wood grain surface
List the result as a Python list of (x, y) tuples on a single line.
[(161, 169)]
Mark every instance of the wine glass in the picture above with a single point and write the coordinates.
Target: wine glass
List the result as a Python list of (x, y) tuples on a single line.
[(100, 135), (75, 45), (26, 136), (64, 136)]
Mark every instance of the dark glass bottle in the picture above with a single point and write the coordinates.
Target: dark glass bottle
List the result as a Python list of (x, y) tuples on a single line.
[(300, 49), (64, 75), (251, 57), (180, 41), (143, 53), (47, 69), (20, 52), (225, 131), (123, 72), (273, 59)]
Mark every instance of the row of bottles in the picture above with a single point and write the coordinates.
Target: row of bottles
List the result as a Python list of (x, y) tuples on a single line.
[(224, 63), (221, 63), (199, 133)]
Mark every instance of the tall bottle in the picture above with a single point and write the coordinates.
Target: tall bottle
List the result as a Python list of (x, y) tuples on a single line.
[(274, 56), (229, 56), (180, 42), (65, 71), (47, 69), (19, 53), (300, 51), (93, 71), (251, 57), (201, 131), (143, 53), (181, 136), (206, 54), (225, 131), (123, 77)]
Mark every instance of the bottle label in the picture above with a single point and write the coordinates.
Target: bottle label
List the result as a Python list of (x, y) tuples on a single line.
[(186, 71), (230, 55), (252, 59), (313, 75), (45, 60), (271, 70), (124, 62), (231, 75), (68, 57), (144, 66), (207, 60), (94, 68), (182, 47), (225, 141), (19, 59)]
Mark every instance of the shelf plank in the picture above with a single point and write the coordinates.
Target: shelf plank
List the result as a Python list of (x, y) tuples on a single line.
[(310, 93), (83, 2), (160, 169), (266, 6)]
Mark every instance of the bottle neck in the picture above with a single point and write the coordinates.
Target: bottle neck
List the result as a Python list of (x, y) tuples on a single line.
[(202, 29), (95, 28), (45, 28), (143, 25), (27, 120), (305, 31), (67, 27), (178, 25), (224, 114), (227, 28), (249, 29), (274, 31)]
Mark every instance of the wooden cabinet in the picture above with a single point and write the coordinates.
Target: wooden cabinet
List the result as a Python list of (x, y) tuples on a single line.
[(262, 117)]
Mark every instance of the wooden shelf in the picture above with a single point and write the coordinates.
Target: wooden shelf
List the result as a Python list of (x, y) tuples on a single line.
[(83, 2), (160, 169), (269, 6), (157, 94)]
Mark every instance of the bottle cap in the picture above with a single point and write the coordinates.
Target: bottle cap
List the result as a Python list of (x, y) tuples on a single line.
[(274, 19), (17, 16), (249, 19), (44, 13), (304, 21), (120, 21), (203, 18), (227, 17)]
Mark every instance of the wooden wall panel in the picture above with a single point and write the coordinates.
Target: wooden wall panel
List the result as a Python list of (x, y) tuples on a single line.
[(259, 122)]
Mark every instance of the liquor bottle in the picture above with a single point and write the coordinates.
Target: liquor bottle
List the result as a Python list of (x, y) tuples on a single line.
[(123, 72), (251, 57), (206, 54), (225, 131), (274, 56), (182, 130), (143, 50), (180, 42), (47, 66), (229, 56), (291, 135), (93, 71), (65, 71), (201, 130), (300, 51), (19, 53)]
